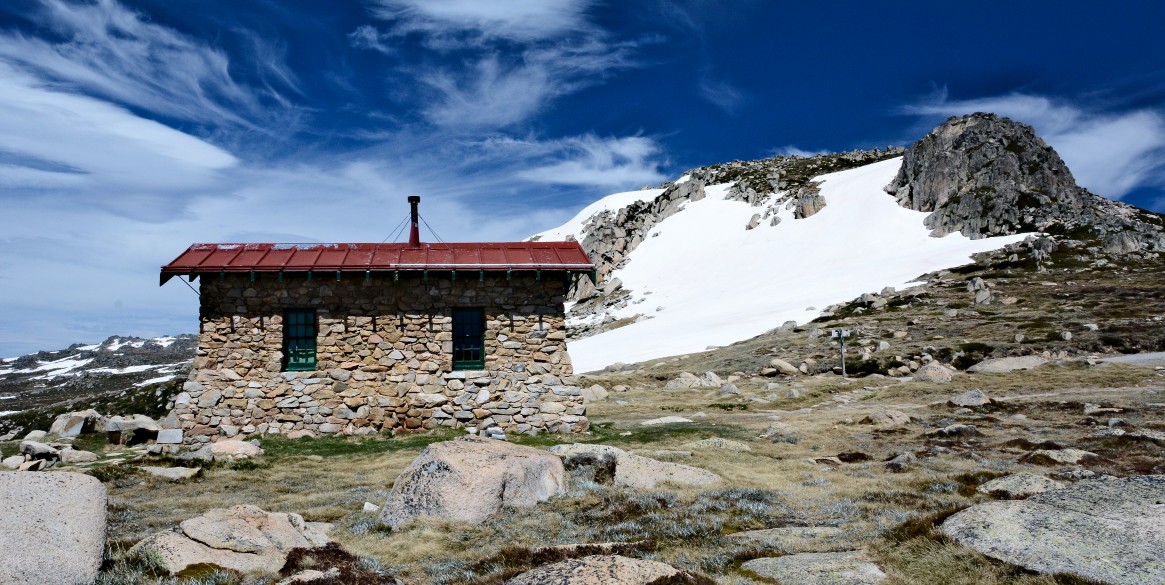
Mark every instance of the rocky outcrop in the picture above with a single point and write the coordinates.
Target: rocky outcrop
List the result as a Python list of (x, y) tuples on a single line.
[(598, 570), (836, 568), (983, 175), (1104, 530), (244, 538), (1018, 486), (53, 527), (471, 478)]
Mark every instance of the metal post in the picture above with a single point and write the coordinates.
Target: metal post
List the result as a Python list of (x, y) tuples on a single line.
[(841, 334)]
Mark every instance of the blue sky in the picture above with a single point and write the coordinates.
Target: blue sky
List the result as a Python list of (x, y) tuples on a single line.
[(129, 129)]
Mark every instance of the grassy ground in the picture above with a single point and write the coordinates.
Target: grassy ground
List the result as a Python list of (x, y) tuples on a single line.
[(776, 483)]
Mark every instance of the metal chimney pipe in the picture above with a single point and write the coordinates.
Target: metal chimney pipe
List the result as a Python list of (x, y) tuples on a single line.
[(415, 230)]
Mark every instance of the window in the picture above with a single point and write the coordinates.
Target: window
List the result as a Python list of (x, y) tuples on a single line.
[(468, 339), (299, 340)]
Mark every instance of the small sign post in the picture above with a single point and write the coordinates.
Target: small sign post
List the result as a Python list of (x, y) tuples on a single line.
[(840, 335)]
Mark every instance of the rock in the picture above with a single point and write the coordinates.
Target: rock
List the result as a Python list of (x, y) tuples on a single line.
[(711, 380), (36, 436), (957, 430), (640, 472), (298, 434), (172, 473), (599, 570), (34, 465), (595, 393), (780, 430), (135, 429), (970, 398), (75, 456), (35, 450), (730, 389), (243, 538), (311, 576), (835, 568), (933, 372), (1018, 486), (233, 449), (53, 528), (784, 367), (886, 418), (795, 539), (169, 437), (1059, 457), (469, 479), (1007, 364), (370, 508), (718, 443), (667, 420), (13, 462), (72, 424), (1103, 530), (683, 381), (901, 463)]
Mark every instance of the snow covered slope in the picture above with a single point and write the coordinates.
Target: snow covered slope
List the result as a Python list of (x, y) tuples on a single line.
[(702, 279)]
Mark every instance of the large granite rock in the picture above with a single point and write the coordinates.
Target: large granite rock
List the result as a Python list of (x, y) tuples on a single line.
[(597, 570), (636, 471), (1111, 531), (469, 479), (52, 528), (983, 175), (1018, 486), (833, 568), (243, 538)]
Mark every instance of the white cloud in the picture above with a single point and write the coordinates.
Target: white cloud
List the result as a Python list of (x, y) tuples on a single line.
[(792, 150), (592, 161), (517, 20), (1109, 153), (496, 64), (111, 51)]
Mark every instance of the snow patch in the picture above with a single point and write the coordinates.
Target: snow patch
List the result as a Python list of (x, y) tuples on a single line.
[(89, 347), (8, 412), (56, 368), (125, 370), (165, 341), (157, 380), (717, 283)]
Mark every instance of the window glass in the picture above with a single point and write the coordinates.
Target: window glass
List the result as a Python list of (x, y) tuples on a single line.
[(299, 340), (468, 339)]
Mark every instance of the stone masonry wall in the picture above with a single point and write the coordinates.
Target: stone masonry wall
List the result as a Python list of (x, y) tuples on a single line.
[(384, 358)]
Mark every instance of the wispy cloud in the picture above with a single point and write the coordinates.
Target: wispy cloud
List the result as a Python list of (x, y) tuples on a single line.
[(496, 64), (722, 94), (792, 150), (593, 161), (1110, 153), (108, 50), (513, 20)]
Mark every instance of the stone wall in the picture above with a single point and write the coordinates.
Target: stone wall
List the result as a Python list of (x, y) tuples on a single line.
[(384, 357)]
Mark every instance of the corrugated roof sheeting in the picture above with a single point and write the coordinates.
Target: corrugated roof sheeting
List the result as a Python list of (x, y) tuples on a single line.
[(209, 258)]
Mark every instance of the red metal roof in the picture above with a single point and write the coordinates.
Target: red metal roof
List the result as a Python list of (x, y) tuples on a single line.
[(208, 258)]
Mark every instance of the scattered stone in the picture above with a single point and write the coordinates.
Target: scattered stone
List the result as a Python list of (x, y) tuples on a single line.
[(595, 393), (600, 570), (233, 449), (53, 528), (1059, 457), (13, 462), (1007, 364), (1018, 486), (36, 436), (933, 372), (783, 367), (172, 473), (244, 538), (72, 424), (683, 381), (371, 508), (169, 437), (718, 443), (75, 456), (311, 576), (667, 420), (730, 389), (901, 463), (886, 418), (970, 399), (1103, 530), (830, 568), (469, 479), (957, 430)]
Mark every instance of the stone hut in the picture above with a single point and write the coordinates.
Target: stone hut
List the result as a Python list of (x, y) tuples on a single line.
[(363, 338)]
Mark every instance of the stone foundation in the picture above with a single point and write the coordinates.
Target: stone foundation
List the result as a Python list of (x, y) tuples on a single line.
[(384, 357)]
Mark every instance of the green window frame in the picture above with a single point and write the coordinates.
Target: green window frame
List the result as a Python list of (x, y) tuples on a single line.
[(299, 340), (468, 339)]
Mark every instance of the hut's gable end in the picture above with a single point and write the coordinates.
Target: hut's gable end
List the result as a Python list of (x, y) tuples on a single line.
[(383, 356)]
